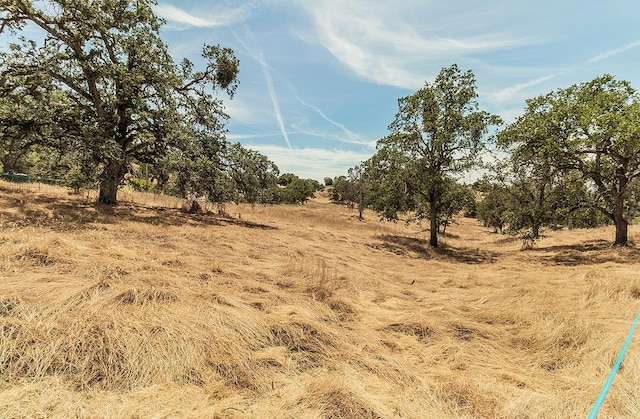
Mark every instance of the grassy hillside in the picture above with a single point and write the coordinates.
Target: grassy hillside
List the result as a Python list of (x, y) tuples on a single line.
[(303, 311)]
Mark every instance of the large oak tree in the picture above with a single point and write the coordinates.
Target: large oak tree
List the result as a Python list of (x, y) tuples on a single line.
[(130, 101), (591, 128)]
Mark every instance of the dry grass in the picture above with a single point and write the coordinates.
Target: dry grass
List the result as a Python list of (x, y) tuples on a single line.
[(302, 311)]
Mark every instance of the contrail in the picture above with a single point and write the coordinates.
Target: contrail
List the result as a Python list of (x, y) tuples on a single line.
[(505, 93), (274, 97), (355, 138), (613, 52), (270, 88)]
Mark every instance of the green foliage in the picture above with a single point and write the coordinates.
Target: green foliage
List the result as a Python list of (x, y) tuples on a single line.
[(253, 176), (527, 192), (344, 191), (198, 171), (122, 95), (298, 191), (286, 179), (592, 129), (536, 195), (493, 208), (352, 189), (76, 179), (388, 193), (328, 181), (455, 199), (339, 190), (317, 186), (437, 134), (143, 185), (33, 116), (74, 167), (587, 217)]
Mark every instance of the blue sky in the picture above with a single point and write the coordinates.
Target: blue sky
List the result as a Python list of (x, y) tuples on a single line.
[(320, 79)]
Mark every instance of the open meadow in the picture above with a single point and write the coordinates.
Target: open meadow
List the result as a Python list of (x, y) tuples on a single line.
[(303, 312)]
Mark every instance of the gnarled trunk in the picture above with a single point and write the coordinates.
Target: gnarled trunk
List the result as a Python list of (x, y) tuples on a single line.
[(110, 179)]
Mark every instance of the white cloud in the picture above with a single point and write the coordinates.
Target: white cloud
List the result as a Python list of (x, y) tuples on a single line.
[(241, 137), (303, 128), (247, 108), (349, 136), (522, 90), (183, 18), (274, 98), (314, 163), (397, 45)]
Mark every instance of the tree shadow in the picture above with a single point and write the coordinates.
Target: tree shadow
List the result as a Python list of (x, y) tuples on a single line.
[(591, 252), (507, 239), (402, 245), (60, 213), (446, 234)]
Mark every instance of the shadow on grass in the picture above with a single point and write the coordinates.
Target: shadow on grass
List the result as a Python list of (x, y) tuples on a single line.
[(64, 213), (402, 245), (588, 253)]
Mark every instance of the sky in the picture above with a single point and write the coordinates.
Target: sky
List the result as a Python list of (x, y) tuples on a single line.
[(320, 79)]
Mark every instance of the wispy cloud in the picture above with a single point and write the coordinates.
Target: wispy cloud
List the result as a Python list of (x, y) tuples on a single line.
[(368, 38), (510, 93), (274, 98), (242, 137), (613, 52), (243, 110), (179, 16)]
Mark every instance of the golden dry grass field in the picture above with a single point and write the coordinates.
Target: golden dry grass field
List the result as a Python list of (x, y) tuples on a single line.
[(303, 312)]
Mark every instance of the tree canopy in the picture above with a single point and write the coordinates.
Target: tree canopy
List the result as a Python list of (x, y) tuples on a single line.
[(592, 129), (102, 80), (437, 134)]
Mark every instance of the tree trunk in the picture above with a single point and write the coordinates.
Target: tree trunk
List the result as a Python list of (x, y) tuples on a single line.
[(535, 230), (433, 216), (110, 180), (621, 223), (361, 203)]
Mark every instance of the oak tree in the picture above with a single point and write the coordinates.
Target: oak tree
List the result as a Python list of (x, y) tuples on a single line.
[(591, 128), (438, 133), (131, 102)]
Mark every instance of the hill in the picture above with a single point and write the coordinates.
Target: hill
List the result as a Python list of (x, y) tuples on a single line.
[(302, 311)]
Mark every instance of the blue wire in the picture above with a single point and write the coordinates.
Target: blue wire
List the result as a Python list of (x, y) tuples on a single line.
[(614, 370)]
